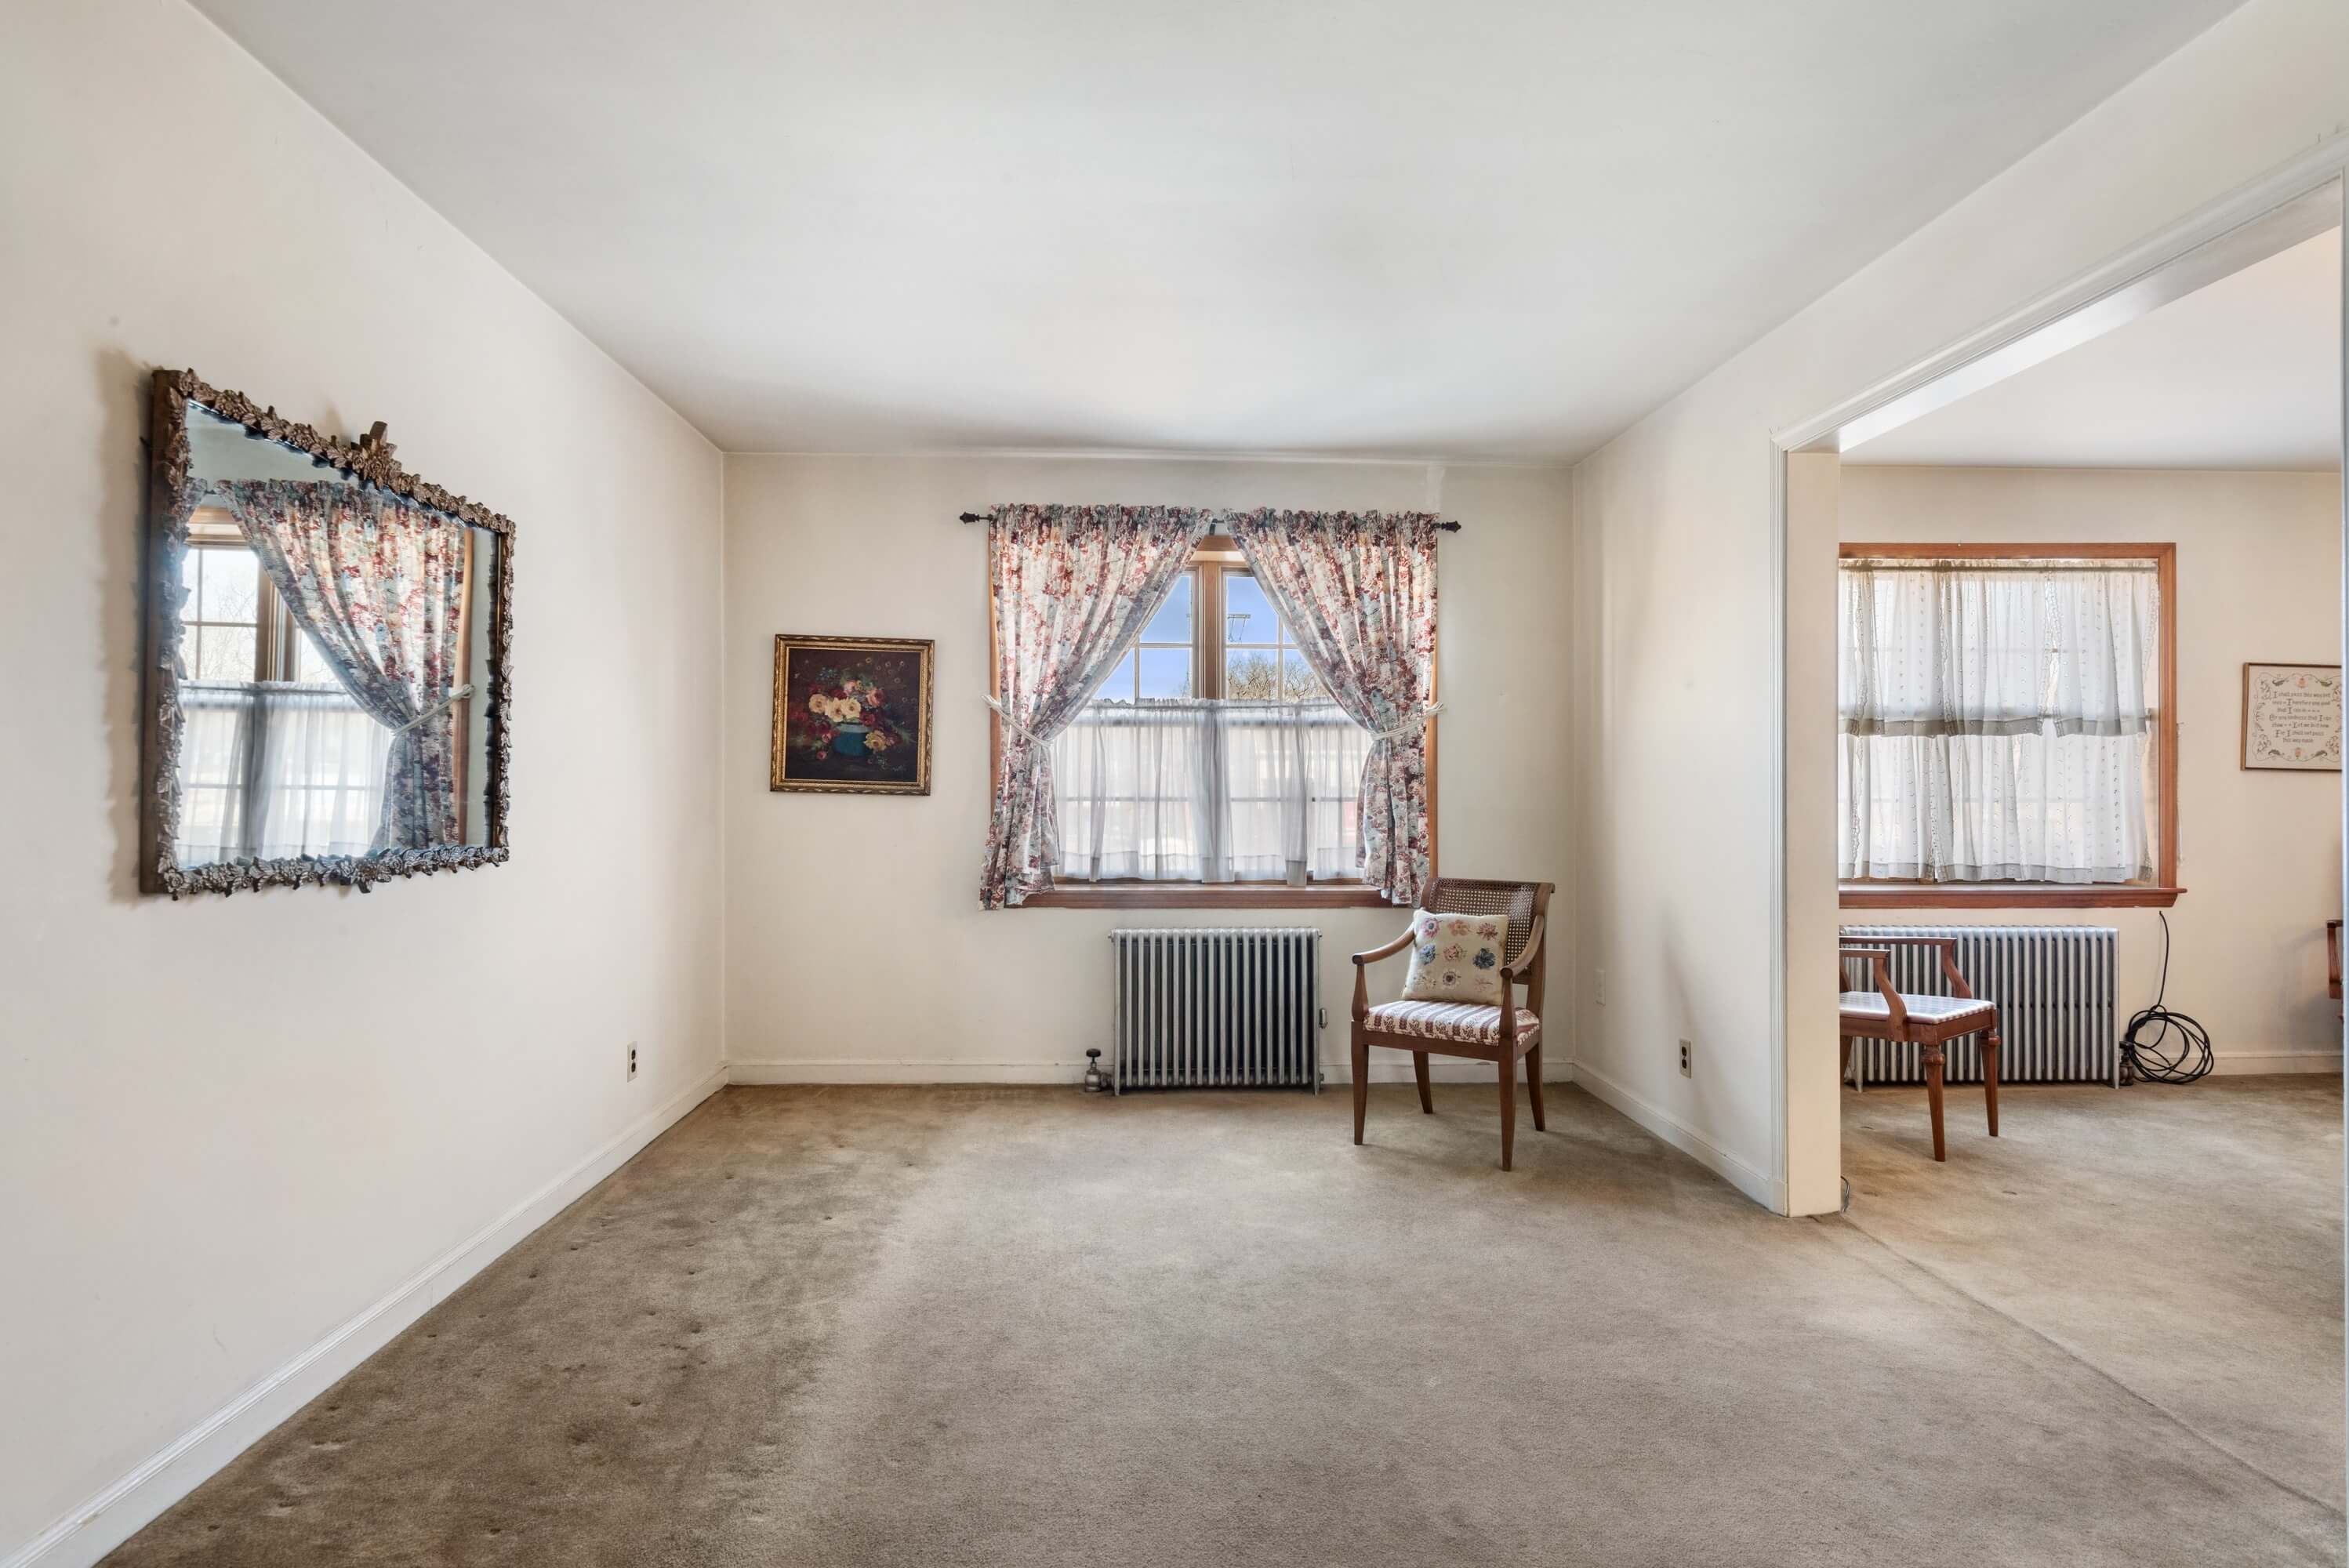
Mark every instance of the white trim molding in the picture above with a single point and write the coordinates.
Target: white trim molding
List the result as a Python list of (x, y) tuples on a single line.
[(844, 1071), (2236, 1063), (1333, 1072), (123, 1509), (2266, 214), (1654, 1118)]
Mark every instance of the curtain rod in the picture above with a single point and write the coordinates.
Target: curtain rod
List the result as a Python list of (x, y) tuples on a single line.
[(2025, 565), (989, 517)]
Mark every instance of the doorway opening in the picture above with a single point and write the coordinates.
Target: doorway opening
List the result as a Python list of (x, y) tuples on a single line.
[(2063, 815)]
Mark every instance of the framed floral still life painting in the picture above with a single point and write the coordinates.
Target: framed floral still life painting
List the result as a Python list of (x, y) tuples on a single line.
[(852, 715)]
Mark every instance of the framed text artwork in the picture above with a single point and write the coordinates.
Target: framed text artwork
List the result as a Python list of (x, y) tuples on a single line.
[(852, 715), (2291, 717)]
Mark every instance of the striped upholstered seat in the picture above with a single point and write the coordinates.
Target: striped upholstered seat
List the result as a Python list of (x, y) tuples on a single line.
[(1467, 1022)]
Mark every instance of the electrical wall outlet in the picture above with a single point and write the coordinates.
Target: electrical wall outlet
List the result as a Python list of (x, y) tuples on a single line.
[(632, 1061), (1688, 1064)]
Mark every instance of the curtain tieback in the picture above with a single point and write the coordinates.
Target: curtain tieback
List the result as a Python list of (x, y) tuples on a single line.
[(1415, 719), (456, 695), (1018, 730)]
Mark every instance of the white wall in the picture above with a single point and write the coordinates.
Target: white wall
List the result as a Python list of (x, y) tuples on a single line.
[(2258, 579), (1677, 702), (229, 1125), (856, 948)]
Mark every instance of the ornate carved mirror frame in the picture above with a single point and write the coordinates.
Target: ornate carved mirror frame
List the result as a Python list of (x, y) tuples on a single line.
[(174, 495)]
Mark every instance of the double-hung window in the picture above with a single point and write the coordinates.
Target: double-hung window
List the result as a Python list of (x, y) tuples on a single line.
[(2006, 728), (1211, 754)]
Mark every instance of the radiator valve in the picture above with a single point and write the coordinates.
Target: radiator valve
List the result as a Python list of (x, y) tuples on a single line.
[(1096, 1080)]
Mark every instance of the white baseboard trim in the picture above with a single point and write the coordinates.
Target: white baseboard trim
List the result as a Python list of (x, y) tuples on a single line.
[(122, 1510), (1397, 1070), (883, 1072), (1767, 1191), (2227, 1064)]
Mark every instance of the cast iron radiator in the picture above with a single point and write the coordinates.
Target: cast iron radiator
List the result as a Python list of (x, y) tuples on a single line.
[(2053, 987), (1218, 1009)]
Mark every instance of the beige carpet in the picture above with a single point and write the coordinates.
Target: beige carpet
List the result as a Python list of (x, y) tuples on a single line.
[(886, 1327), (2185, 1241)]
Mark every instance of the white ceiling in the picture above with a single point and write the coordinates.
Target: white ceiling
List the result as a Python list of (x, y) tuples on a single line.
[(1464, 229), (2242, 374)]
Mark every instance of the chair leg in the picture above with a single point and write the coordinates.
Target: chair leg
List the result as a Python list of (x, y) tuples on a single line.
[(1361, 1082), (1933, 1097), (1508, 1108), (1419, 1071), (1846, 1059), (1533, 1087), (1990, 1079)]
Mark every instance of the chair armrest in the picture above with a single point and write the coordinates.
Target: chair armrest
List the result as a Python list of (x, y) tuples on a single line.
[(1362, 962), (1880, 963), (1949, 954)]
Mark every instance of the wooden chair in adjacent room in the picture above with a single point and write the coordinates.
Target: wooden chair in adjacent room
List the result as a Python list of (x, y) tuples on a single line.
[(1499, 1034), (2333, 960), (1928, 1023)]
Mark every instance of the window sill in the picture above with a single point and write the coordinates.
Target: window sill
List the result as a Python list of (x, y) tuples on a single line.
[(1198, 895), (2006, 895)]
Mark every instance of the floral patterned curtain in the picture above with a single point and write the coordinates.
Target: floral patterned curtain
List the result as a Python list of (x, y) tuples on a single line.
[(377, 580), (1357, 592), (1071, 587)]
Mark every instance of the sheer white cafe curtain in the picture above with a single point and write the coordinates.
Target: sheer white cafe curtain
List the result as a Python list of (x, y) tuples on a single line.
[(1136, 788), (1997, 720), (275, 771)]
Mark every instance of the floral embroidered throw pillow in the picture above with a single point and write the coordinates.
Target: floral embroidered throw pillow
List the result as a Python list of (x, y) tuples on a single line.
[(1455, 958)]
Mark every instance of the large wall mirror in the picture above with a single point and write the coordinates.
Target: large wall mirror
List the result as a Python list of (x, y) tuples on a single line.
[(326, 693)]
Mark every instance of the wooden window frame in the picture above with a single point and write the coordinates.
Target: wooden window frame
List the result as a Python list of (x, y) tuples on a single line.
[(1210, 560), (2163, 892)]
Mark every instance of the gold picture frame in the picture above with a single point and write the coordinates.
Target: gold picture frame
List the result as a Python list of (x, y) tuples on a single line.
[(851, 716)]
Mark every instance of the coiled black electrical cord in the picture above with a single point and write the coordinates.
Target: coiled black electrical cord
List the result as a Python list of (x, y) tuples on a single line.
[(2174, 1047)]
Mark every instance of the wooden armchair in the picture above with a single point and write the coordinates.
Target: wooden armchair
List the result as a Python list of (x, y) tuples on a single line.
[(2332, 960), (1499, 1034), (1926, 1022)]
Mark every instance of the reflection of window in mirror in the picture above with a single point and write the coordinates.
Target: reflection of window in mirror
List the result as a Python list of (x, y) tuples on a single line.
[(237, 628), (278, 760), (334, 692)]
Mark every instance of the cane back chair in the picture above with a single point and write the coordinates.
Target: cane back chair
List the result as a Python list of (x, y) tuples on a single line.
[(1499, 1034)]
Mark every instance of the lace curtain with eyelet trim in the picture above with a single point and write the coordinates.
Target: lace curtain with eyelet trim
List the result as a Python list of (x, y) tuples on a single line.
[(1997, 720)]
